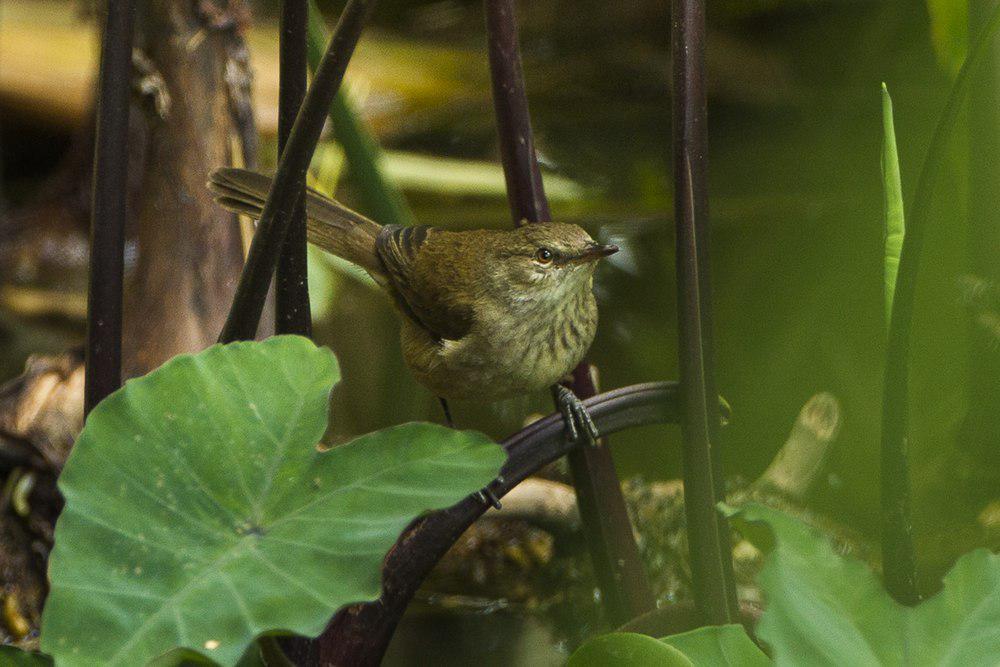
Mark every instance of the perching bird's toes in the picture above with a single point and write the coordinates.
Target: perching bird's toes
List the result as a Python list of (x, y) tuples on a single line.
[(488, 498), (579, 424)]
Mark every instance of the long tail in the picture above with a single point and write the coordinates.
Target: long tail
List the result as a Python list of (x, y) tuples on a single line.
[(332, 226)]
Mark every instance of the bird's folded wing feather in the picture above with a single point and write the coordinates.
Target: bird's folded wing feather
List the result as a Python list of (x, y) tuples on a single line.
[(424, 290)]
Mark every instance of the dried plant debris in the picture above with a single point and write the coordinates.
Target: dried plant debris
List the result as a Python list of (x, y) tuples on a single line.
[(41, 411)]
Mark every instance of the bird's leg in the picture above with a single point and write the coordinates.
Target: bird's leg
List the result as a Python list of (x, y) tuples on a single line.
[(579, 425), (447, 413)]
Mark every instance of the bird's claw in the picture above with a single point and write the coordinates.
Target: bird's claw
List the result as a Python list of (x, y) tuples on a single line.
[(488, 498), (579, 424)]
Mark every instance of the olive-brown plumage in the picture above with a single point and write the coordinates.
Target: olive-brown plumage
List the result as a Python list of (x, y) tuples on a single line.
[(487, 314)]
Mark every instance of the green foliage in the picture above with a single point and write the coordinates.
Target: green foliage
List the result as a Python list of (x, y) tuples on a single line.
[(627, 649), (826, 609), (949, 31), (892, 188), (15, 657), (719, 646), (201, 514)]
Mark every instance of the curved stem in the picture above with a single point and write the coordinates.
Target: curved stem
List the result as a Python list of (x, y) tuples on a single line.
[(360, 634), (244, 315)]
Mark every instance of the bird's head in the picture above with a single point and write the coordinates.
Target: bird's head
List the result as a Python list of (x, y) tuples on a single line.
[(545, 262)]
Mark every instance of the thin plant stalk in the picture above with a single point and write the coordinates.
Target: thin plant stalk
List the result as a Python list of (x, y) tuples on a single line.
[(708, 531), (379, 196), (620, 572), (898, 556), (248, 304), (107, 222), (291, 287)]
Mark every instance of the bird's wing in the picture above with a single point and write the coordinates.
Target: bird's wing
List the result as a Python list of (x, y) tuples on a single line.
[(427, 302)]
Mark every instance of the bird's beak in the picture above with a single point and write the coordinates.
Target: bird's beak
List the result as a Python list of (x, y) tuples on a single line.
[(595, 252)]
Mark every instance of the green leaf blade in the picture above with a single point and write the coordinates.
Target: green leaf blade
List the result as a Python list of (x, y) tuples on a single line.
[(719, 646), (627, 649), (892, 189), (200, 513)]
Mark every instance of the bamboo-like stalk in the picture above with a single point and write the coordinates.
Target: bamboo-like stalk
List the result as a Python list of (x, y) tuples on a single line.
[(620, 573), (291, 286), (107, 221), (244, 315), (708, 531)]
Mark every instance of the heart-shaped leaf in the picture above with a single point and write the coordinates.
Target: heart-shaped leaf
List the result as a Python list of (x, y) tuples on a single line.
[(200, 513), (825, 609)]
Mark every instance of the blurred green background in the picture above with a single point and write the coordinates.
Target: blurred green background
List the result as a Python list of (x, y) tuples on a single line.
[(796, 209)]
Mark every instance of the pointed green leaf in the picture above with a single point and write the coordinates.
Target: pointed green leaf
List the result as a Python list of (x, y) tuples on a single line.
[(200, 513), (892, 190)]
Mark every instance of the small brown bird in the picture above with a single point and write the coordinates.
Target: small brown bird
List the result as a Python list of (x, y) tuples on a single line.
[(487, 314)]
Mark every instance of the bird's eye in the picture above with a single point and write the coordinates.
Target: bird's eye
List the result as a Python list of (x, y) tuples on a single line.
[(543, 256)]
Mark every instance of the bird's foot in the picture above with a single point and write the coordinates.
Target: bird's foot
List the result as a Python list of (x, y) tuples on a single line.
[(488, 498), (580, 427)]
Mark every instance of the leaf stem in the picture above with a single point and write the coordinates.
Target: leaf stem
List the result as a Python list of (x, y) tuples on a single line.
[(244, 315), (708, 531), (291, 287), (107, 220)]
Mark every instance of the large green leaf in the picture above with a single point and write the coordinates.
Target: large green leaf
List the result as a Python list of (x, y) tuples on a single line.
[(825, 609), (627, 649), (719, 646), (200, 513)]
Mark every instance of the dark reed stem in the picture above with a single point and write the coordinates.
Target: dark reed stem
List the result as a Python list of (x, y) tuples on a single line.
[(291, 287), (620, 573), (244, 315), (363, 631), (898, 555), (708, 531), (107, 221)]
